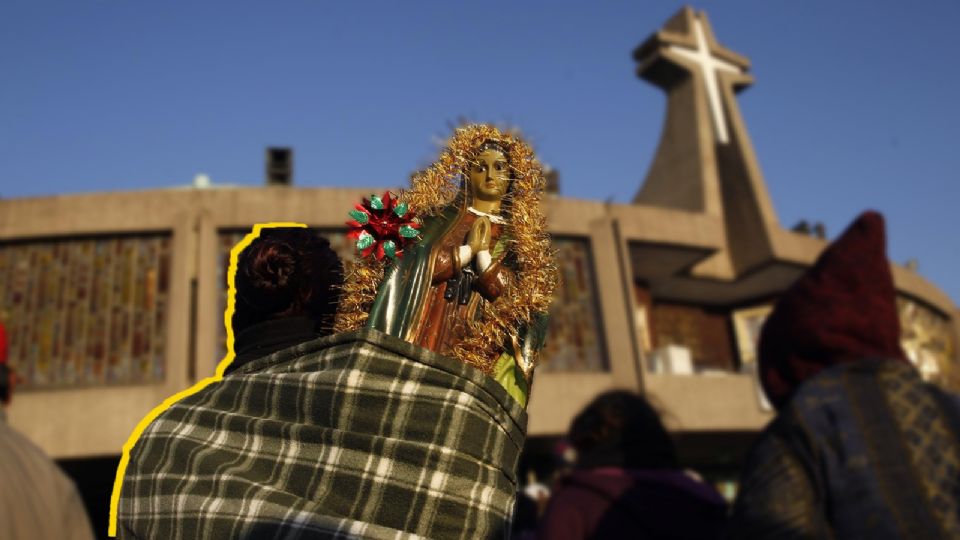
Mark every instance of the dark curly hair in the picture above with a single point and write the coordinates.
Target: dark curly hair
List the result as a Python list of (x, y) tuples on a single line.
[(287, 272), (621, 429)]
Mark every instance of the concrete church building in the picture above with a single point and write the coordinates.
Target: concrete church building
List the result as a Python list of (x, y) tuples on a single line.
[(114, 301)]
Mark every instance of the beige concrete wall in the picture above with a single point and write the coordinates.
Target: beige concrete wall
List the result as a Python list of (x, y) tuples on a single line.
[(728, 402), (557, 397), (956, 336), (666, 226), (209, 317), (94, 421), (98, 420)]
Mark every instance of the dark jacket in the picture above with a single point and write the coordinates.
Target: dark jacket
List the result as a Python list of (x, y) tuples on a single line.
[(862, 450)]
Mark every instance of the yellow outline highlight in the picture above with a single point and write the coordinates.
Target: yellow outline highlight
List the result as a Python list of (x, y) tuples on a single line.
[(218, 374)]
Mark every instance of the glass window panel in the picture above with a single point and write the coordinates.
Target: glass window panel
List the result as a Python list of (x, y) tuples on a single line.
[(574, 341), (86, 311), (927, 339)]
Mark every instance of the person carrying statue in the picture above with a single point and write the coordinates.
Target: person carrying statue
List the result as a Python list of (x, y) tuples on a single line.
[(408, 419)]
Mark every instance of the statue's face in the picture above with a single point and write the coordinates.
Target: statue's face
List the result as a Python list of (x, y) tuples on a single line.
[(489, 175)]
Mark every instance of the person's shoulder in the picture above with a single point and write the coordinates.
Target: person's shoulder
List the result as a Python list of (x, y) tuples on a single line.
[(22, 457), (18, 450), (836, 384), (12, 438), (170, 421)]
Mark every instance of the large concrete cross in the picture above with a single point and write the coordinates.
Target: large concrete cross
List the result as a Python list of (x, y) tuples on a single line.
[(709, 64), (705, 161)]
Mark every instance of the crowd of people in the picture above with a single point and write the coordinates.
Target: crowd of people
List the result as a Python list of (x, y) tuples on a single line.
[(314, 435), (860, 447)]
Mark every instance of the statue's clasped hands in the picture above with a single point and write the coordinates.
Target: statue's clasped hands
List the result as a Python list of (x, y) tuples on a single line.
[(479, 241)]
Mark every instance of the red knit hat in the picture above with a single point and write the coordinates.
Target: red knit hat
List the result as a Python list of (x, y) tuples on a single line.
[(841, 310)]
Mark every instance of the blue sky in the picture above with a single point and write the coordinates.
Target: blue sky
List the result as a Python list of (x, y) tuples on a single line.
[(854, 104)]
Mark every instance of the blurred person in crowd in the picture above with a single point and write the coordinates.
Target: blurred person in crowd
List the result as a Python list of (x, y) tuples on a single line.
[(211, 450), (37, 500), (532, 500), (861, 447), (525, 517), (627, 482)]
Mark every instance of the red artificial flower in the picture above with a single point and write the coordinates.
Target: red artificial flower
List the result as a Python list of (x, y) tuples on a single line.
[(382, 226)]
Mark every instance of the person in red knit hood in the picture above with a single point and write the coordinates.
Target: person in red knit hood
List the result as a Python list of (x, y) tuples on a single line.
[(861, 447)]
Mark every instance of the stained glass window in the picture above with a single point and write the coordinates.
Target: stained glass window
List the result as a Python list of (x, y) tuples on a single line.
[(927, 339), (574, 341), (88, 311)]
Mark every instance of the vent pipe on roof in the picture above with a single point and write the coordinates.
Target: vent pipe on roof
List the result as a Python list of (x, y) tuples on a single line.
[(279, 166), (552, 176)]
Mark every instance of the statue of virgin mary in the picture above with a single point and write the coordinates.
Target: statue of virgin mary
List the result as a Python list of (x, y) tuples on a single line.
[(477, 285)]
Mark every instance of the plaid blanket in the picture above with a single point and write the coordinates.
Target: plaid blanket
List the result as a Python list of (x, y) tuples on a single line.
[(356, 435)]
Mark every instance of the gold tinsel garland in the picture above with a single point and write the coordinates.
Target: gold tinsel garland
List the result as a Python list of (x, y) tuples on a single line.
[(536, 277), (360, 283)]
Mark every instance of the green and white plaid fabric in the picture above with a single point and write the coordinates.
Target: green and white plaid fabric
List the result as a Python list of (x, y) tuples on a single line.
[(356, 435)]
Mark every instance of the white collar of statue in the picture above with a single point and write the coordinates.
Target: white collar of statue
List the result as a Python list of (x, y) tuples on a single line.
[(494, 218)]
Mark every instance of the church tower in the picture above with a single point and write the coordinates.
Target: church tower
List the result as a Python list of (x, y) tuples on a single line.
[(705, 161)]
